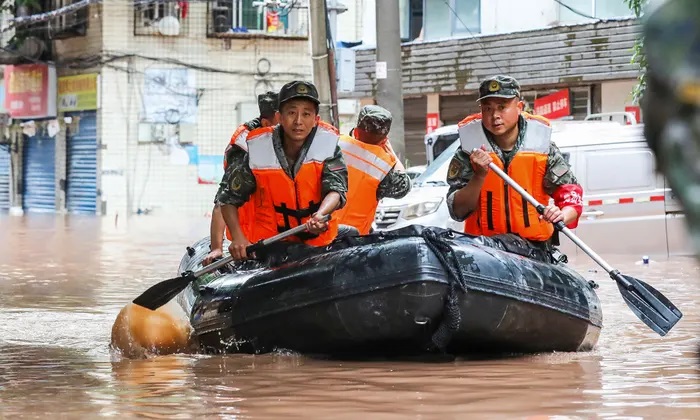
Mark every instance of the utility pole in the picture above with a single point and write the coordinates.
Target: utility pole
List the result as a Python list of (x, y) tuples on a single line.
[(319, 56), (389, 87)]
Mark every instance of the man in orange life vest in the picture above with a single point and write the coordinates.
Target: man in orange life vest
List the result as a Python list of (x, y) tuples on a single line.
[(519, 144), (293, 173), (267, 104), (374, 171)]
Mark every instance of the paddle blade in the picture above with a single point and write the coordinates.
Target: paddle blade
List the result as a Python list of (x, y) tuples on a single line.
[(161, 293), (650, 305)]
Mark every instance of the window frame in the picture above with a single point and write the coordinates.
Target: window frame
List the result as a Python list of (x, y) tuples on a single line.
[(592, 11), (60, 27), (454, 21), (235, 9), (147, 26)]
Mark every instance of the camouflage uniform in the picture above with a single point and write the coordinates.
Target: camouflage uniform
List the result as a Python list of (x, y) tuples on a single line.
[(238, 183), (375, 119), (267, 105), (461, 171)]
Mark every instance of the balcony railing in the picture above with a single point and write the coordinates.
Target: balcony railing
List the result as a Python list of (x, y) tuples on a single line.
[(247, 18)]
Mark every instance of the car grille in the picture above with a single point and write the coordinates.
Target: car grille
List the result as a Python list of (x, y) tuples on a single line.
[(386, 216)]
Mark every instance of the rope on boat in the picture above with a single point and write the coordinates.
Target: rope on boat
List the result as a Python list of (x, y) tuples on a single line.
[(452, 318)]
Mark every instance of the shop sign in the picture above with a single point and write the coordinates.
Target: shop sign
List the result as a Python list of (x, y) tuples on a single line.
[(432, 122), (77, 93), (554, 106), (637, 113), (30, 91)]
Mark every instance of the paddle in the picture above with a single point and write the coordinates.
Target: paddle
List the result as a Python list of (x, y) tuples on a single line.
[(652, 307), (161, 293)]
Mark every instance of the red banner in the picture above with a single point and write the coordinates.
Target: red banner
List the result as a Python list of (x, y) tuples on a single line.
[(637, 113), (553, 106), (432, 121), (30, 91)]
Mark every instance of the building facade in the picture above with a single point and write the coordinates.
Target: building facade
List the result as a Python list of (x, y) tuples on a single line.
[(569, 65), (142, 98)]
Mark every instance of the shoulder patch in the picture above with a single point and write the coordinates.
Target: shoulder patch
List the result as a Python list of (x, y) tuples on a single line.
[(455, 169)]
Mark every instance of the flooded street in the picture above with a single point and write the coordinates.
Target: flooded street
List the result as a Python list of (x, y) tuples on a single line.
[(64, 279)]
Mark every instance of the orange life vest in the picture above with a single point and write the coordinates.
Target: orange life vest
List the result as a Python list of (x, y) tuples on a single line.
[(501, 209), (281, 202), (247, 210), (368, 165)]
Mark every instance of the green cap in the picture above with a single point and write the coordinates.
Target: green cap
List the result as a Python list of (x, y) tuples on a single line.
[(374, 119), (267, 104), (499, 87), (298, 90)]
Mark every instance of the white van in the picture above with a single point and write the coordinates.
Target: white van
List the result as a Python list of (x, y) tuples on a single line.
[(628, 208)]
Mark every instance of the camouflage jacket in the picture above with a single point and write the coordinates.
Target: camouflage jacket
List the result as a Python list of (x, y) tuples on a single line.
[(394, 185), (238, 182), (461, 171)]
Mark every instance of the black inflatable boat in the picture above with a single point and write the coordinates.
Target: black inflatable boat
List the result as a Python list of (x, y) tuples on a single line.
[(406, 292)]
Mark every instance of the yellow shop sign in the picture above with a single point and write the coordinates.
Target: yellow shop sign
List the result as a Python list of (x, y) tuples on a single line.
[(77, 93)]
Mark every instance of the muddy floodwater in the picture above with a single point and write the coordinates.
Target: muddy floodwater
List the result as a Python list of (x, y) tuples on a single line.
[(64, 279)]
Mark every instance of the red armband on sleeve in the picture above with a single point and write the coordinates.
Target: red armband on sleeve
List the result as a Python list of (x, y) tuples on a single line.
[(570, 195)]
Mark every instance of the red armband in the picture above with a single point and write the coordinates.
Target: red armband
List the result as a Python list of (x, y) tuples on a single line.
[(570, 195)]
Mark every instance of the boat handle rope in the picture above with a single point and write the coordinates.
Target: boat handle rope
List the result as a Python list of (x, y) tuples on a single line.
[(452, 318)]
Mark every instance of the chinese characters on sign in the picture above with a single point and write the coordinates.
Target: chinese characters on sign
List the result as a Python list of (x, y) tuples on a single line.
[(77, 93), (553, 106), (30, 91), (432, 122)]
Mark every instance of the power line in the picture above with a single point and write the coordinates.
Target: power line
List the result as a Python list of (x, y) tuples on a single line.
[(576, 11)]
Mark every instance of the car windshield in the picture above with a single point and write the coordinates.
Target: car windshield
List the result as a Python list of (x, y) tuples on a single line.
[(436, 172)]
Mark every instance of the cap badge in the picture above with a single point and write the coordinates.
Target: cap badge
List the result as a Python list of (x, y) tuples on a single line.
[(494, 86), (302, 89)]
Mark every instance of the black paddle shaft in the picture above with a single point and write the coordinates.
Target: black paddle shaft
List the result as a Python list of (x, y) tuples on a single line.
[(647, 303)]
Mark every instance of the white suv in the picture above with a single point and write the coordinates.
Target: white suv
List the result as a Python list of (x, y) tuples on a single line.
[(425, 204)]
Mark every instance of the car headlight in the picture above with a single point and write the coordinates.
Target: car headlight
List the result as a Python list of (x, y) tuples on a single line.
[(421, 209)]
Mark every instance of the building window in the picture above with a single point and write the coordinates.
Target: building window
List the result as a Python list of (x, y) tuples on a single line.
[(158, 17), (578, 10), (240, 18), (410, 19), (448, 19), (69, 24)]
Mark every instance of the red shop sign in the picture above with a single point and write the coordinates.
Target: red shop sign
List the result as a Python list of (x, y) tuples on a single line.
[(432, 122), (30, 91), (637, 113), (553, 106)]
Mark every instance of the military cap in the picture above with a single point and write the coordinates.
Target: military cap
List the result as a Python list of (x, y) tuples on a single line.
[(298, 90), (499, 87), (374, 119), (267, 104)]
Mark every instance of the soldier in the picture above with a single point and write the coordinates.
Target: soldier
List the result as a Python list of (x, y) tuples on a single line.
[(519, 142), (267, 104), (374, 171), (294, 174), (671, 102)]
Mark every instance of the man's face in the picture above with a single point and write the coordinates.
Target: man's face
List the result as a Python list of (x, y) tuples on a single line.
[(298, 117), (500, 115)]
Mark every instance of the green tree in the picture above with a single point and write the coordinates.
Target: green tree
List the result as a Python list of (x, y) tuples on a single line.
[(637, 6)]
